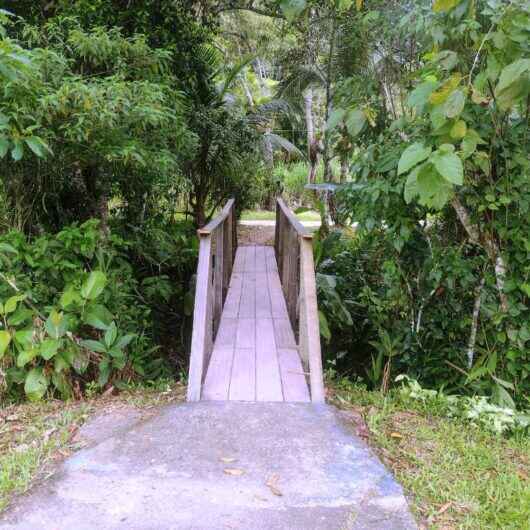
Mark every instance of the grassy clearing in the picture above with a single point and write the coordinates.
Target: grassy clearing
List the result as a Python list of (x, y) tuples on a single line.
[(264, 215), (35, 437), (455, 474)]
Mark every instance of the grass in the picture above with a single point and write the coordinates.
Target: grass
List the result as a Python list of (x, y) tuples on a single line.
[(35, 437), (456, 475), (264, 215)]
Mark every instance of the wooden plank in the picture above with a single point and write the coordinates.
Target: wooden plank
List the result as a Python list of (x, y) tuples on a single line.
[(268, 378), (260, 263), (218, 275), (283, 333), (243, 379), (293, 378), (250, 258), (239, 262), (246, 333), (291, 282), (217, 383), (228, 254), (270, 260), (233, 297), (263, 299), (247, 306), (226, 336), (278, 306)]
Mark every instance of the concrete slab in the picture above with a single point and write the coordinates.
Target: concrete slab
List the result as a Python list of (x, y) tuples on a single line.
[(221, 465)]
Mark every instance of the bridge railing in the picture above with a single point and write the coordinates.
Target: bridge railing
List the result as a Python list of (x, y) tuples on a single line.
[(293, 247), (217, 250)]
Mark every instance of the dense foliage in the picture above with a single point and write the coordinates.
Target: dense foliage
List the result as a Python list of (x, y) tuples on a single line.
[(434, 108), (146, 116)]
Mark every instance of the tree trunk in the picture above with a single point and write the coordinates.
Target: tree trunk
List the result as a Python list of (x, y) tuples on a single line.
[(474, 325), (312, 147), (343, 169), (488, 243), (328, 177), (103, 215)]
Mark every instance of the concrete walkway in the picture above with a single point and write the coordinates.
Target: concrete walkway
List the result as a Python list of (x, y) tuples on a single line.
[(219, 466)]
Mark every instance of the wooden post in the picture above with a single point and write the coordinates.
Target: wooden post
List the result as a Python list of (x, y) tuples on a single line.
[(218, 277), (227, 254), (292, 276), (309, 323), (201, 339)]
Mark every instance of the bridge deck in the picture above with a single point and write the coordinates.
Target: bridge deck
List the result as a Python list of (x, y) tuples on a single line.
[(255, 356)]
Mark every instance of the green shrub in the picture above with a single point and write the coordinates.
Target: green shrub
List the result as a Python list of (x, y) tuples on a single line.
[(410, 312), (76, 309), (291, 180)]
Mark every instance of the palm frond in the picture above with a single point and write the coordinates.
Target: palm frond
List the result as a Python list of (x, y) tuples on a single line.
[(233, 73), (279, 142), (300, 78)]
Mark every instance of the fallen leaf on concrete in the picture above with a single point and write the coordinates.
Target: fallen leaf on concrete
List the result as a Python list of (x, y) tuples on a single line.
[(271, 484), (233, 471), (228, 460)]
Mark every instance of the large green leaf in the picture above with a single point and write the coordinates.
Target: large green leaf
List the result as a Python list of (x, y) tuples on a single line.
[(69, 297), (336, 116), (433, 190), (5, 339), (414, 154), (4, 146), (18, 151), (11, 304), (56, 324), (111, 334), (36, 145), (448, 165), (411, 185), (455, 104), (514, 83), (324, 326), (48, 348), (355, 120), (419, 97), (36, 384), (26, 356), (441, 6), (94, 345), (438, 118), (512, 73), (94, 285), (98, 316), (21, 315), (458, 130), (124, 341), (24, 337)]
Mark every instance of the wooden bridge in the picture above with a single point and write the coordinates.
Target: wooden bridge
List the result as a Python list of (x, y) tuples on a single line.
[(255, 321)]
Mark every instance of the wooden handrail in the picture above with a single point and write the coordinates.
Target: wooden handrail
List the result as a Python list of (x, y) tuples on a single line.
[(293, 247), (214, 223), (293, 220), (217, 250)]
